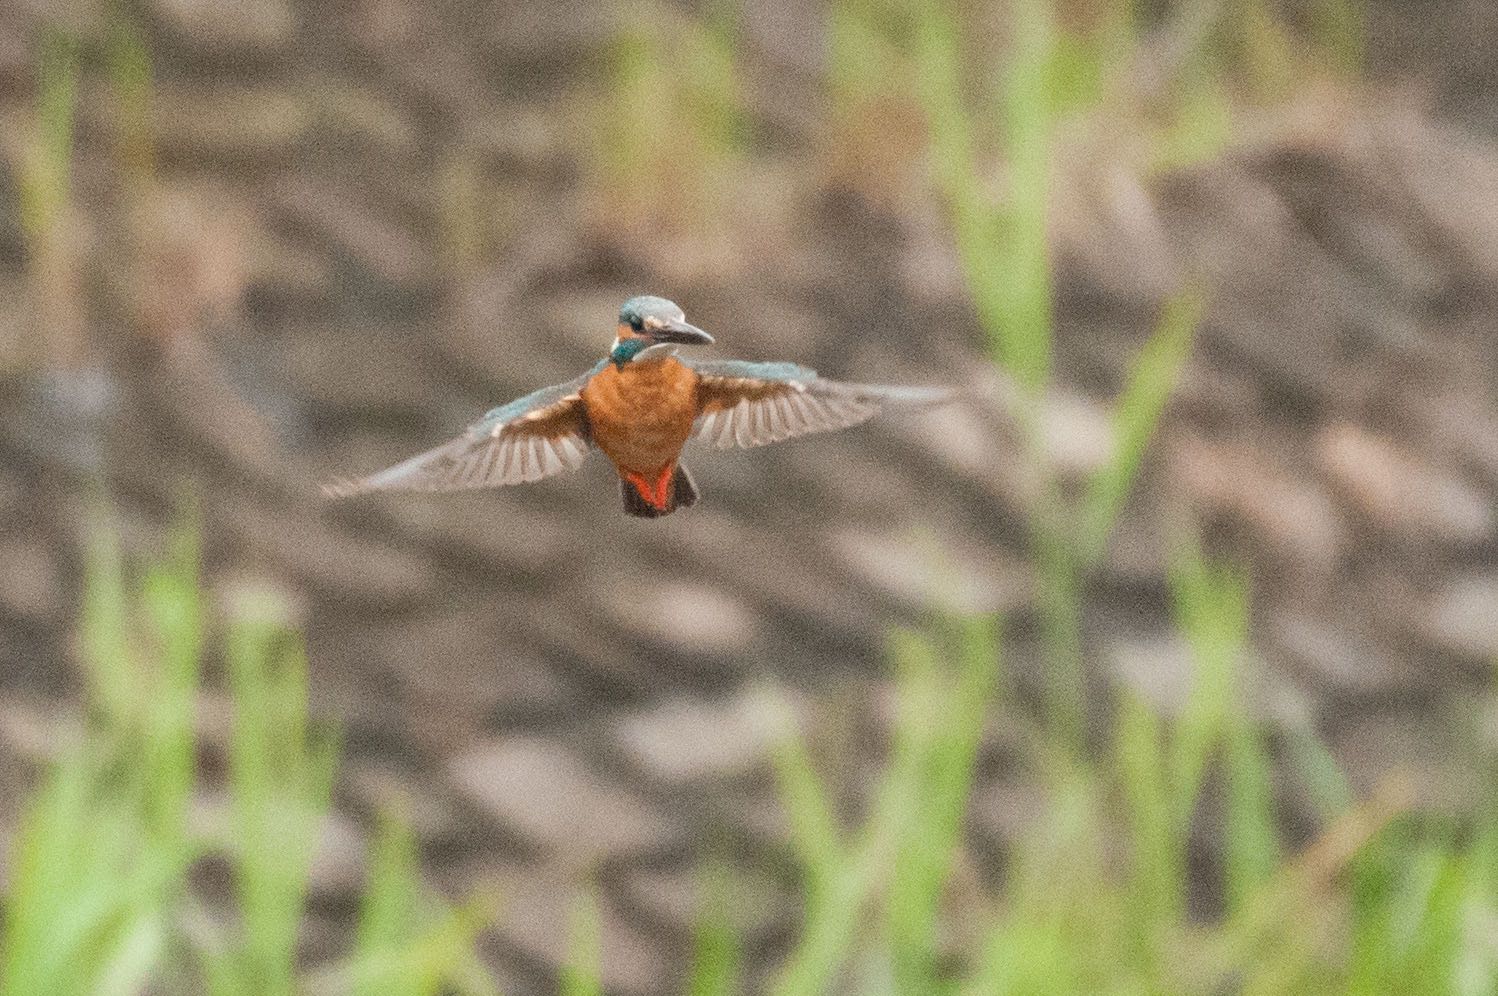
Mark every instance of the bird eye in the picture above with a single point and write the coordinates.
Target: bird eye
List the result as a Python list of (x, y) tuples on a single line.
[(637, 323)]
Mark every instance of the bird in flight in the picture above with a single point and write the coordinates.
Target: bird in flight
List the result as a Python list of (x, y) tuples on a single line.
[(639, 405)]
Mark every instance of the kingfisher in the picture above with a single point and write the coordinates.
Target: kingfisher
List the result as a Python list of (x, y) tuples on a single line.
[(639, 406)]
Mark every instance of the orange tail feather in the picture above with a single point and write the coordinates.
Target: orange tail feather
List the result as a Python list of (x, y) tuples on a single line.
[(649, 497), (656, 491)]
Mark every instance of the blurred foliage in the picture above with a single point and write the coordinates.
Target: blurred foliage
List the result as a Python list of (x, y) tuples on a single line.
[(670, 127), (717, 954), (99, 899), (1003, 245), (1104, 890), (44, 172), (581, 976), (1159, 862)]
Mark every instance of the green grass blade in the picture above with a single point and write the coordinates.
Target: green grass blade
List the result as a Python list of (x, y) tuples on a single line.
[(45, 183), (1252, 851), (581, 975), (101, 852), (1004, 248), (130, 72), (1158, 869), (280, 779), (1137, 413), (108, 656), (173, 606), (717, 952), (389, 911), (1211, 610), (808, 808), (1024, 285), (947, 715)]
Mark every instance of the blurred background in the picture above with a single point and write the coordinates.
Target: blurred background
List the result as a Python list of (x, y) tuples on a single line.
[(248, 247)]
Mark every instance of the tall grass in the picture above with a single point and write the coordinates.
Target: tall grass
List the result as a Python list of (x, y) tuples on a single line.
[(1003, 244), (1122, 883), (44, 172), (670, 126), (1160, 861), (99, 897)]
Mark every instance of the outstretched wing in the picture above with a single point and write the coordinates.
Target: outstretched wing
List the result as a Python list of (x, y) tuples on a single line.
[(752, 404), (536, 436)]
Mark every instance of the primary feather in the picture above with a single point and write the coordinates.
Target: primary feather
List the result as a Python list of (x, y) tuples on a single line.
[(753, 404), (531, 438)]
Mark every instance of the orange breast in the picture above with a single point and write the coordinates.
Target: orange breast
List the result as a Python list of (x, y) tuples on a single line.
[(642, 414)]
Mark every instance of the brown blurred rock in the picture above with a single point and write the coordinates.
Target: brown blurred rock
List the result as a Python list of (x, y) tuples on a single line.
[(1345, 661), (470, 661), (1005, 809), (1406, 744), (229, 28), (1398, 491), (955, 579), (778, 578), (343, 365), (248, 124), (31, 583), (1160, 668), (357, 112), (1076, 433), (1287, 514), (566, 29), (681, 741), (357, 228), (337, 868), (541, 790), (13, 493), (1464, 425), (757, 906), (493, 528), (382, 790), (682, 616), (1463, 619), (1445, 171), (328, 558), (36, 729)]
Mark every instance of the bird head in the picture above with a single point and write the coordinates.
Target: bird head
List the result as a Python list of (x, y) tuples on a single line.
[(651, 327)]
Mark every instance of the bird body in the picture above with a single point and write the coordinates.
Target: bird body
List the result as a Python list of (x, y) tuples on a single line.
[(640, 415), (640, 406)]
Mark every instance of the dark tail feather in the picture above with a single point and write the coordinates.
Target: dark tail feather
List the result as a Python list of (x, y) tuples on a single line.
[(683, 489), (635, 503), (683, 495)]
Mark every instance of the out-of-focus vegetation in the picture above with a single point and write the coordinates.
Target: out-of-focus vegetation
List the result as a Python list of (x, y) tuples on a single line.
[(101, 895), (44, 182), (1160, 863), (671, 125), (1106, 893)]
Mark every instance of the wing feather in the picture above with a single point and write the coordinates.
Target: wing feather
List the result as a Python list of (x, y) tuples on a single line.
[(537, 436), (754, 404)]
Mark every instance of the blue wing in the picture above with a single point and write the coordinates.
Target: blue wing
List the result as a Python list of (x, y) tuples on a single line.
[(533, 437), (752, 404)]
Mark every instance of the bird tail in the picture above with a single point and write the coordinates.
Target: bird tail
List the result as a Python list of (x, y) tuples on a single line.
[(683, 488), (681, 492)]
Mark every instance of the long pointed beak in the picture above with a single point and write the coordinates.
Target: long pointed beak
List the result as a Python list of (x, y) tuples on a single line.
[(681, 332)]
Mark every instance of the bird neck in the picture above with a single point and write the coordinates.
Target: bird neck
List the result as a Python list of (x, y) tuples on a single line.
[(626, 349), (639, 350)]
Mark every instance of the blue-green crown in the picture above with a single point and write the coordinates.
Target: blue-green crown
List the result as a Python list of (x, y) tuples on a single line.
[(634, 311)]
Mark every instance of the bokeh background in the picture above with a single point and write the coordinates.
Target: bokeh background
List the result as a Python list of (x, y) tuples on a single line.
[(247, 247)]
